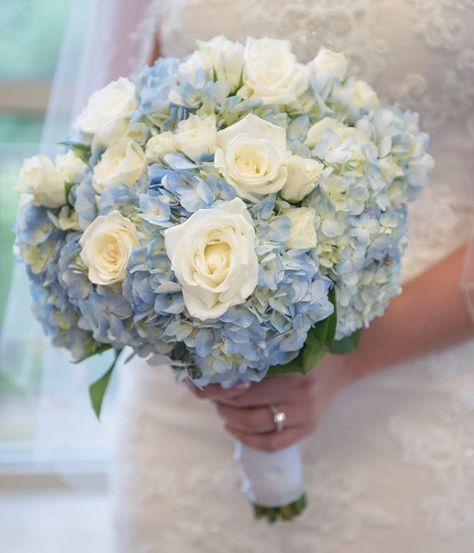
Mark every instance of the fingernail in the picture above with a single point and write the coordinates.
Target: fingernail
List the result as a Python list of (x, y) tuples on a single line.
[(242, 386)]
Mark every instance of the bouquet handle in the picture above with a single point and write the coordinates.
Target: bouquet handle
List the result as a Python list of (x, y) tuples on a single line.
[(273, 482)]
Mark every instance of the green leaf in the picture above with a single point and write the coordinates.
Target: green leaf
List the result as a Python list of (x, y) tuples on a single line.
[(347, 344), (99, 350), (332, 320), (67, 188), (315, 348), (291, 367), (82, 151), (98, 389), (319, 338)]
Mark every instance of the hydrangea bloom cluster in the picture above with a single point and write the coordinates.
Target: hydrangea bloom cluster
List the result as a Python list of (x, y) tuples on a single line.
[(205, 211)]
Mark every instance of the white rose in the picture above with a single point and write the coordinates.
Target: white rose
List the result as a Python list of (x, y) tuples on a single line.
[(213, 257), (251, 155), (106, 247), (122, 163), (303, 227), (110, 134), (195, 136), (107, 105), (358, 94), (70, 165), (330, 64), (43, 181), (271, 71), (160, 145), (225, 57), (220, 55), (303, 175)]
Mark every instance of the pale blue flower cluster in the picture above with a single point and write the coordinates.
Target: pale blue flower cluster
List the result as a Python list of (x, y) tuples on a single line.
[(42, 245), (371, 161)]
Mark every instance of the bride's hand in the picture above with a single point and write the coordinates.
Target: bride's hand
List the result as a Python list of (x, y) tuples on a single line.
[(303, 398)]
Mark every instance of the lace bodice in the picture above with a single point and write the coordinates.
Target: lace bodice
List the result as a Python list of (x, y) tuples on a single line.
[(419, 53)]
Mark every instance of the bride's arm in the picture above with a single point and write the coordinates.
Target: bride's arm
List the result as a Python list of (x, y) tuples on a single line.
[(430, 314)]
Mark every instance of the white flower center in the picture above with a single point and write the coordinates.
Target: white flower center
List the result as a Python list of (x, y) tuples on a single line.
[(250, 162), (217, 257), (111, 251), (212, 259)]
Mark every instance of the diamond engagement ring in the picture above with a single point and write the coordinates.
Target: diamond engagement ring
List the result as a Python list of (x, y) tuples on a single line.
[(279, 418)]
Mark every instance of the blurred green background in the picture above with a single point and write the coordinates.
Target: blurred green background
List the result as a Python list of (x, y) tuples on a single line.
[(31, 32)]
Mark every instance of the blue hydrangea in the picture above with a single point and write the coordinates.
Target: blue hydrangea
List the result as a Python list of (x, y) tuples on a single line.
[(58, 316)]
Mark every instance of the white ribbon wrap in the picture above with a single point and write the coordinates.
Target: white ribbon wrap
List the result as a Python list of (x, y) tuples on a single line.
[(271, 479)]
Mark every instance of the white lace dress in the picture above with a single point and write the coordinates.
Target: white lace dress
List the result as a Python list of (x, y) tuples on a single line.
[(391, 468)]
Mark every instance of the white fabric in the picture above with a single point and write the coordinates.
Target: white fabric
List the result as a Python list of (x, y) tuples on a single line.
[(271, 479), (391, 467)]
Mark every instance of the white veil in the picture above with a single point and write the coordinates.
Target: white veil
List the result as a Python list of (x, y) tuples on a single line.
[(104, 39)]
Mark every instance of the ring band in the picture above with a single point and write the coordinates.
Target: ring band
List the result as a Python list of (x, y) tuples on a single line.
[(279, 418)]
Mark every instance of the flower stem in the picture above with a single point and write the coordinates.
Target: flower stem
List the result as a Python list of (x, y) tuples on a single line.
[(286, 512)]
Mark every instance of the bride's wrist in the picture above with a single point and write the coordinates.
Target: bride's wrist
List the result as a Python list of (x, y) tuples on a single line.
[(351, 371), (341, 370), (372, 354), (353, 366)]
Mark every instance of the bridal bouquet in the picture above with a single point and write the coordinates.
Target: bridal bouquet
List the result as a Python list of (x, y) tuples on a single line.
[(236, 212)]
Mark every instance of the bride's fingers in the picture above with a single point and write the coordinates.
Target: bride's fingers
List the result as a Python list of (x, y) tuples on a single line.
[(278, 390), (272, 441), (216, 392), (259, 420)]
